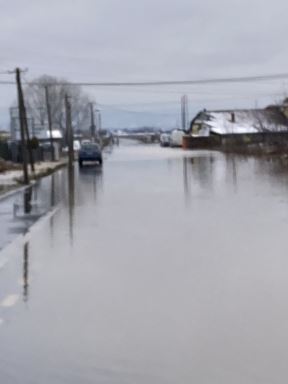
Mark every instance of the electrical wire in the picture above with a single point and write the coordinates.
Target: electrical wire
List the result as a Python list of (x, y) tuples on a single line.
[(244, 79)]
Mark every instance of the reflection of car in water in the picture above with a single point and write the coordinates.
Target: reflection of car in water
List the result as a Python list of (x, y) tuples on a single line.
[(89, 152), (165, 140)]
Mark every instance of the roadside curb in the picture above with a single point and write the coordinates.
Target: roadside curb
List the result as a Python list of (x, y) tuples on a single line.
[(20, 188), (24, 237), (14, 191)]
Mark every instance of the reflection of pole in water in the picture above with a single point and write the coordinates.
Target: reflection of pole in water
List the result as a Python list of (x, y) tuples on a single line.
[(52, 203), (234, 173), (97, 184), (71, 192), (26, 272), (52, 194), (186, 182), (27, 200), (95, 187), (232, 169)]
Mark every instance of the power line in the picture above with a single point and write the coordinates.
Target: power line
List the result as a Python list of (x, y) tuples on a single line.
[(244, 79), (148, 112), (187, 82)]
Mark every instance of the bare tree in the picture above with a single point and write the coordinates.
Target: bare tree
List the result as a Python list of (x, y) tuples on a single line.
[(58, 88), (271, 119), (259, 121)]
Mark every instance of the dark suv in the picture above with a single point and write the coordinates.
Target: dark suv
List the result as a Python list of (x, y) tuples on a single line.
[(89, 152)]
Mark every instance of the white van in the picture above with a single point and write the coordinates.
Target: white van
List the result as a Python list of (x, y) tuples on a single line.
[(165, 140), (176, 138)]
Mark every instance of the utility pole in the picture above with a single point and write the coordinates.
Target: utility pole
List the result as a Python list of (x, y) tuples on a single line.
[(93, 127), (26, 128), (184, 112), (23, 118), (22, 129), (99, 127), (69, 131), (30, 149), (71, 181), (100, 121), (48, 107)]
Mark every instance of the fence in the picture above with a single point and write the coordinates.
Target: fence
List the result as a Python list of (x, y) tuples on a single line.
[(277, 140), (11, 151), (5, 152)]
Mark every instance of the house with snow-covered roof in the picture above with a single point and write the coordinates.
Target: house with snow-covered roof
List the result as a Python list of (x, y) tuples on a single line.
[(240, 127), (237, 122)]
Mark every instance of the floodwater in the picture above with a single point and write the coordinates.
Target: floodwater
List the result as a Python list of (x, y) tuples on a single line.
[(165, 267)]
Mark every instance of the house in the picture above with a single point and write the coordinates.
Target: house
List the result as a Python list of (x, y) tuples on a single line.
[(4, 135), (240, 127), (41, 146), (235, 122), (45, 142), (284, 106)]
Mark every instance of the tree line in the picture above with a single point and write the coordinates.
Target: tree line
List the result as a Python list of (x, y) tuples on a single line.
[(36, 102)]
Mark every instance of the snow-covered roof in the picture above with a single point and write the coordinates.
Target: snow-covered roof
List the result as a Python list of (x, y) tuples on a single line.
[(56, 134), (242, 121), (45, 134), (40, 134), (221, 123)]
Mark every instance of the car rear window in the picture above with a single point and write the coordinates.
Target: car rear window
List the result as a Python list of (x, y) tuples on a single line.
[(90, 146)]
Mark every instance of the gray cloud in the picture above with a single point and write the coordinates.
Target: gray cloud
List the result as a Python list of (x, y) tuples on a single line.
[(103, 40)]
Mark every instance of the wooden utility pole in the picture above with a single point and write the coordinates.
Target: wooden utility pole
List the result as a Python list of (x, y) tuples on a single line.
[(93, 127), (23, 118), (30, 149), (22, 128), (49, 118), (184, 112), (69, 131), (99, 121)]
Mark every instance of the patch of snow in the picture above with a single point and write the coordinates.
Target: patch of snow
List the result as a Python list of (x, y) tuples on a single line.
[(8, 178), (244, 122), (56, 134)]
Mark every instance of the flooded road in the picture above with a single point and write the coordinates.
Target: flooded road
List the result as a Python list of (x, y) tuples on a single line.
[(165, 267)]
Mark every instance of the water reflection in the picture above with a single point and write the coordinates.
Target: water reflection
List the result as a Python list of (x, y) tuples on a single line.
[(226, 260), (90, 182), (204, 169), (27, 197), (26, 272), (71, 199), (25, 212), (210, 174), (52, 191), (275, 168), (33, 202), (52, 203), (232, 170), (199, 171), (187, 179)]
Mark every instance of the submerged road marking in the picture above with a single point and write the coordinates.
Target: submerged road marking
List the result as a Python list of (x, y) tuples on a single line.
[(10, 301)]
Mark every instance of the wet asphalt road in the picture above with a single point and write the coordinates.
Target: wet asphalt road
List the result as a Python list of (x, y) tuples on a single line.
[(164, 267)]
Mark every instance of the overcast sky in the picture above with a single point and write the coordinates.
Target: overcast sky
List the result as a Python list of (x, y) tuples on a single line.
[(127, 40)]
